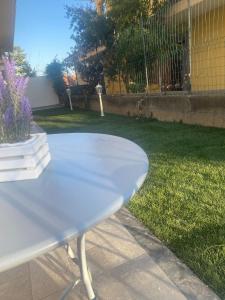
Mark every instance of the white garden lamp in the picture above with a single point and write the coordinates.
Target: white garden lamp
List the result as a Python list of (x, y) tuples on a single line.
[(99, 92), (68, 91)]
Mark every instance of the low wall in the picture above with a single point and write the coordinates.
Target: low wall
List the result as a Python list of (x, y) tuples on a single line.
[(190, 109), (41, 93)]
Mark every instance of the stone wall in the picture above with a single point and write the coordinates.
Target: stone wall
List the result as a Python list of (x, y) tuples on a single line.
[(189, 109)]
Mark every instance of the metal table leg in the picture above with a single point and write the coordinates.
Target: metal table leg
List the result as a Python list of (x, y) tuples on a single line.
[(84, 271)]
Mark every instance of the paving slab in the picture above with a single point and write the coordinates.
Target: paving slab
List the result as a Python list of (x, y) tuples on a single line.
[(15, 284), (126, 261), (185, 280)]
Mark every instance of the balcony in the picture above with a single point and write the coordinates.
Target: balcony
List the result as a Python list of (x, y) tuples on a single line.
[(198, 7)]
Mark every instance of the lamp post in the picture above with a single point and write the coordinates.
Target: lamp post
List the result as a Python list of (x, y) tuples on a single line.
[(99, 92), (68, 91)]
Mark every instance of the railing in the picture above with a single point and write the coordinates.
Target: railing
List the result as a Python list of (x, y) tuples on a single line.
[(179, 48)]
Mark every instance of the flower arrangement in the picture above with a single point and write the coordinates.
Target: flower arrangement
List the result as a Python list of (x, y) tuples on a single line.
[(15, 109)]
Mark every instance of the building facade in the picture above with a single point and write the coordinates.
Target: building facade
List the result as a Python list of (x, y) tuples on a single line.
[(7, 25)]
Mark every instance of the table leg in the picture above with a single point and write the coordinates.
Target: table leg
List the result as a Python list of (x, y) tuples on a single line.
[(84, 271), (85, 274)]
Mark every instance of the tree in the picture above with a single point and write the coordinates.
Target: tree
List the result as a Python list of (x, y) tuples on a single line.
[(121, 31), (90, 30), (23, 67), (54, 72), (92, 34), (127, 12)]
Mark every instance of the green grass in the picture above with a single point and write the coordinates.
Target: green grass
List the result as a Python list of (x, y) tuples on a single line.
[(183, 199)]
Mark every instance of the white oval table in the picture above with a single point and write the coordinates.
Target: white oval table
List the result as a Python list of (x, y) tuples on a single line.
[(90, 177)]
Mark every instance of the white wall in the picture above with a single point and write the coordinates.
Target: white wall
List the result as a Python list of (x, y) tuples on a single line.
[(41, 93)]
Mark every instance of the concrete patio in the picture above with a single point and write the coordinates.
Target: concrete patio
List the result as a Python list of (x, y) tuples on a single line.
[(126, 262)]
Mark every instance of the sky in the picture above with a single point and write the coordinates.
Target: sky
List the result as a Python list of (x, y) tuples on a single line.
[(43, 30)]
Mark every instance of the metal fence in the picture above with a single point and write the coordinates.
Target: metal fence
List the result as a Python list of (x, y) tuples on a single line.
[(180, 47)]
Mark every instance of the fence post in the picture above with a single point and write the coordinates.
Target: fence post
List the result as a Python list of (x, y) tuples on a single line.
[(160, 76), (144, 51), (190, 41)]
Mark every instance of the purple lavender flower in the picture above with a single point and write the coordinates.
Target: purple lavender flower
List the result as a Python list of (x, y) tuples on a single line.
[(15, 109), (2, 87), (16, 85), (26, 110), (10, 70), (8, 117), (21, 85)]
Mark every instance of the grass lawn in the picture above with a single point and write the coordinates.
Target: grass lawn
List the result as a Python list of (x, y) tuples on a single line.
[(183, 199)]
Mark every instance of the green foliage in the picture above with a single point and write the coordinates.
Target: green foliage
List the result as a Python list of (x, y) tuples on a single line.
[(120, 34), (23, 68), (90, 33), (137, 87), (129, 56), (128, 12), (54, 72), (160, 44)]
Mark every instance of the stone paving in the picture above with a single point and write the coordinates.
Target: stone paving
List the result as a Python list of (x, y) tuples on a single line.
[(126, 261)]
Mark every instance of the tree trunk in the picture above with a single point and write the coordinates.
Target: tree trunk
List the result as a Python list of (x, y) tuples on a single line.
[(99, 6)]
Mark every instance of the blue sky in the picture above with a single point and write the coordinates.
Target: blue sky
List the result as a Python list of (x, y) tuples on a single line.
[(42, 30)]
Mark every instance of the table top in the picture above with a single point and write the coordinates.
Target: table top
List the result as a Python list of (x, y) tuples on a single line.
[(88, 179)]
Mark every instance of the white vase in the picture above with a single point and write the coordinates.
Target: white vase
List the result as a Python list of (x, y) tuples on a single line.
[(26, 160)]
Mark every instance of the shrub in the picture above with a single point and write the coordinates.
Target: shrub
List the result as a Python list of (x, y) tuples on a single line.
[(137, 87), (15, 109), (54, 72)]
